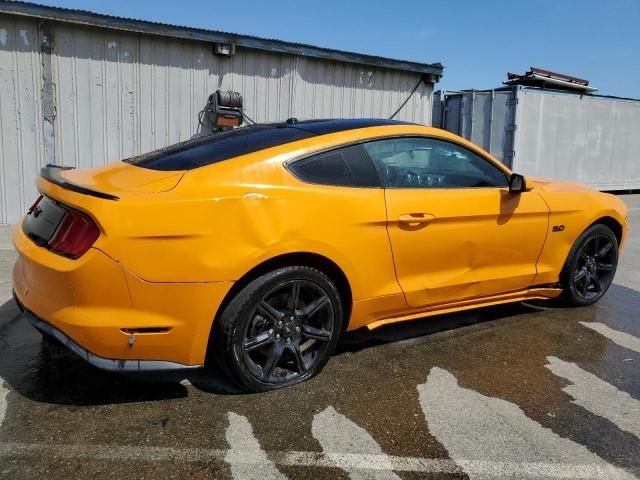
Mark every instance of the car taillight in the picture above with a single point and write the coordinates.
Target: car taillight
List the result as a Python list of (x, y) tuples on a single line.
[(75, 235)]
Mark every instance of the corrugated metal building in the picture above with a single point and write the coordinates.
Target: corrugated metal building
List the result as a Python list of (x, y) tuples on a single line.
[(81, 89), (558, 134)]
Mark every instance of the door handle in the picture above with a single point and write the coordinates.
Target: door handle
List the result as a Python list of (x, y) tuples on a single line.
[(415, 218)]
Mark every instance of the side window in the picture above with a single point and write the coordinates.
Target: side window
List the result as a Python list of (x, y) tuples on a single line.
[(414, 162), (346, 167)]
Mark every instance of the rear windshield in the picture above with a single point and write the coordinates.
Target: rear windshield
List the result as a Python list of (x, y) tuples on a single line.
[(218, 146)]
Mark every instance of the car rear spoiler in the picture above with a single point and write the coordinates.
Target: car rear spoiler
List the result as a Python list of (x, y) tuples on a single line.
[(51, 173)]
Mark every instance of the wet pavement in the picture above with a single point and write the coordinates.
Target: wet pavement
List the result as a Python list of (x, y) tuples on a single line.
[(515, 391)]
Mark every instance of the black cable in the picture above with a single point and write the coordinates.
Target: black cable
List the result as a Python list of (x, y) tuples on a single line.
[(247, 117), (407, 99)]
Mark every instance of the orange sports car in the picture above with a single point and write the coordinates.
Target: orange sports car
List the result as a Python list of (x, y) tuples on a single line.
[(260, 246)]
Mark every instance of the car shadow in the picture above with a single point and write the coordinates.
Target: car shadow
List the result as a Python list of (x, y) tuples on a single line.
[(47, 373), (216, 382)]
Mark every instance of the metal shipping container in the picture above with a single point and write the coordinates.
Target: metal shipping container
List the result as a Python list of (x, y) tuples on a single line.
[(81, 89), (586, 138)]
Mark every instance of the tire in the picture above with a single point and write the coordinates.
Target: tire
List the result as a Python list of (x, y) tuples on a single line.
[(590, 267), (280, 329)]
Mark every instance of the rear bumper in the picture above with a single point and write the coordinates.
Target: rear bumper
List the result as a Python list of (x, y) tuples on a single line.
[(96, 306), (109, 364)]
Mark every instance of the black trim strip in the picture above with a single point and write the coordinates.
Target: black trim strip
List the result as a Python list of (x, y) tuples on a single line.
[(51, 173), (109, 364)]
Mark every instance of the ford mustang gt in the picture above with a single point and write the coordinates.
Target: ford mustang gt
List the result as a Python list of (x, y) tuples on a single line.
[(259, 246)]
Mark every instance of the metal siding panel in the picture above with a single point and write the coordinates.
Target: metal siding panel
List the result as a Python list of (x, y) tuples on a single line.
[(502, 113), (320, 91), (417, 104), (313, 90), (326, 90), (269, 89), (210, 78), (129, 90), (112, 96), (199, 82), (338, 92), (272, 87), (303, 90), (513, 118), (98, 100), (467, 115), (257, 73), (378, 100), (385, 99), (30, 124), (147, 87), (437, 106), (283, 86), (400, 96), (21, 139), (416, 101), (426, 100), (161, 98), (394, 92), (83, 104), (62, 64), (453, 107), (481, 120), (351, 73), (403, 89), (9, 124), (175, 93), (359, 92), (343, 91), (316, 89)]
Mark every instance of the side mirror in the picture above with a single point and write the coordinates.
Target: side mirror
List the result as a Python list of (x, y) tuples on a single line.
[(517, 183)]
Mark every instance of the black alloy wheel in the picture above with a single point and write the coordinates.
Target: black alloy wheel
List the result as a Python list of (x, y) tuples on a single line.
[(593, 272), (591, 266), (289, 330), (281, 329)]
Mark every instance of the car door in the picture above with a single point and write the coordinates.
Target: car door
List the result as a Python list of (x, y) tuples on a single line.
[(456, 231)]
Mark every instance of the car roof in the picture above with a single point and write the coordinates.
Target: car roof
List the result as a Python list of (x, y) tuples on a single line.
[(218, 146), (334, 125)]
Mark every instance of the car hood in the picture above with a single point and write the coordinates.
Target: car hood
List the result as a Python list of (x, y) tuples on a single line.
[(122, 177), (550, 185)]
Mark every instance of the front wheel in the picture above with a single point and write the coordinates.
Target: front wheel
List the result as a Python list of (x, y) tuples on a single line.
[(280, 329), (590, 267)]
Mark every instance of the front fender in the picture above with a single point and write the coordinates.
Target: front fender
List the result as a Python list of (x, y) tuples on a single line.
[(571, 213)]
